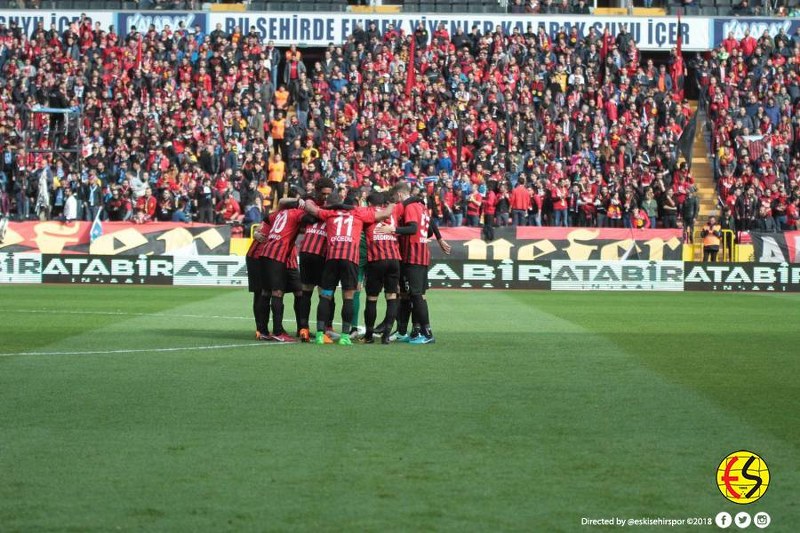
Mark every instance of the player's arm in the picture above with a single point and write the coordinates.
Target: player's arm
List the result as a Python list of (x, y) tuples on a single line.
[(320, 214), (312, 209), (261, 233), (340, 207), (291, 203), (385, 213), (433, 230), (409, 229)]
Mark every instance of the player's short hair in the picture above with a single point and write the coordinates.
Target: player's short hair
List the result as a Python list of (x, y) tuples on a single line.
[(324, 183), (376, 198), (400, 188)]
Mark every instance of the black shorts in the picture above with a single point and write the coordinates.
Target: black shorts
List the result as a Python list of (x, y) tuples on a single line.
[(255, 274), (276, 275), (414, 278), (293, 284), (339, 270), (383, 275), (311, 266)]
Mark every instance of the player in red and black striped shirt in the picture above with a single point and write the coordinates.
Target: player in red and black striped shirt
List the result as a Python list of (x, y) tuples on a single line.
[(256, 286), (383, 270), (279, 250), (312, 255), (343, 225), (416, 229)]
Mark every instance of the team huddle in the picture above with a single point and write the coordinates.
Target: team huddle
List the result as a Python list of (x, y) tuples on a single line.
[(393, 231)]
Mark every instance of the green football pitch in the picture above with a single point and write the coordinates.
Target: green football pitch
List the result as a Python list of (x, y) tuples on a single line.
[(143, 408)]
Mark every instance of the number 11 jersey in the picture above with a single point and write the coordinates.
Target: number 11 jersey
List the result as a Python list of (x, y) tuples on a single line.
[(344, 227)]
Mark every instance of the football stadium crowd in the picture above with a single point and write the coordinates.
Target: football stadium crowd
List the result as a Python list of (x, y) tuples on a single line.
[(494, 128), (753, 93), (744, 8)]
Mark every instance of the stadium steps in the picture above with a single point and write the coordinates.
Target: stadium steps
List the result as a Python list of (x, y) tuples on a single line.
[(703, 174), (702, 170)]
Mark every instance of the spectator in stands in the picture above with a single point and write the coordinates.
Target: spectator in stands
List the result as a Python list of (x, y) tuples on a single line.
[(118, 207), (711, 235), (582, 8), (145, 209), (70, 206), (165, 206), (177, 123), (520, 203), (742, 9), (690, 210), (228, 209)]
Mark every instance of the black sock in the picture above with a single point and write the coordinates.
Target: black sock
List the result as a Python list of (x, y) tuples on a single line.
[(305, 309), (265, 308), (347, 314), (323, 311), (277, 315), (370, 314), (258, 314), (421, 318), (391, 315), (298, 309), (331, 313), (403, 314)]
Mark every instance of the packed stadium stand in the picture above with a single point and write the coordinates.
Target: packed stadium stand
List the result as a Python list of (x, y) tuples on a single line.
[(565, 128)]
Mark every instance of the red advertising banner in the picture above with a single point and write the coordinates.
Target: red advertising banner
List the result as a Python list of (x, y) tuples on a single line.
[(118, 238), (531, 243)]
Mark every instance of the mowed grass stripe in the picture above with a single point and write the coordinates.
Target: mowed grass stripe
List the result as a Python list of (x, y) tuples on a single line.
[(516, 420), (737, 350), (52, 313)]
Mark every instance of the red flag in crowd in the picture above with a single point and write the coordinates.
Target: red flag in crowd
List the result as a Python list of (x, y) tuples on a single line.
[(410, 74), (459, 143), (677, 68), (604, 48), (139, 52), (603, 56)]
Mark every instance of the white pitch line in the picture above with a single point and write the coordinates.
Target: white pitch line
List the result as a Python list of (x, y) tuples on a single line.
[(144, 350), (288, 316), (126, 313)]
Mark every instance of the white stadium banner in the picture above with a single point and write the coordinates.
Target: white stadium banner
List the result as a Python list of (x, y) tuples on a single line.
[(616, 275), (20, 268), (210, 270), (28, 20), (320, 29)]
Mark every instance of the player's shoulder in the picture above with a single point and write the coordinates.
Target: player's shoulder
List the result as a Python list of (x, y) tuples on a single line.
[(364, 211), (414, 208)]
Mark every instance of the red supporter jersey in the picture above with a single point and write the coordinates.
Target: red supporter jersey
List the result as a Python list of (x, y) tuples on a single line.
[(382, 246), (414, 248), (316, 239), (283, 230), (344, 228)]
